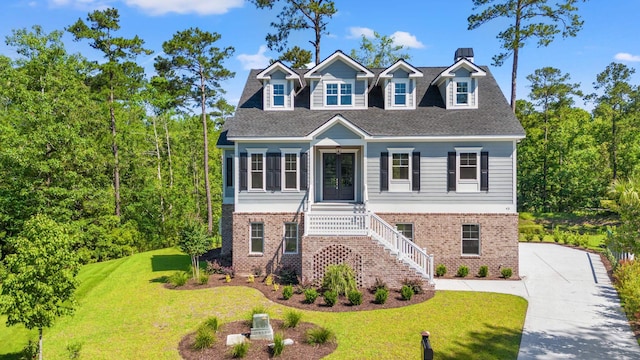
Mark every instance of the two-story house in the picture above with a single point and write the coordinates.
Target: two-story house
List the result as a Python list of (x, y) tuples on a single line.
[(390, 170)]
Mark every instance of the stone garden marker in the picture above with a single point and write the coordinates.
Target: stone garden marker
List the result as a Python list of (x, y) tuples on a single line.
[(261, 329)]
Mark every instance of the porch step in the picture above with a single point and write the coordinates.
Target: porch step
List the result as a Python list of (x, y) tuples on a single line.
[(347, 208)]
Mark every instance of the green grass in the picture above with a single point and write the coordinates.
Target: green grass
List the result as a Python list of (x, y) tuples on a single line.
[(125, 313), (592, 224)]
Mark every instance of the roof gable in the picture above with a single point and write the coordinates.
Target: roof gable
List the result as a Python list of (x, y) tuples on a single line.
[(279, 66), (400, 64), (362, 72), (450, 72)]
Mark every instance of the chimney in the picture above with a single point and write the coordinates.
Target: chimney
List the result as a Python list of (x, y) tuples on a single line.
[(466, 53)]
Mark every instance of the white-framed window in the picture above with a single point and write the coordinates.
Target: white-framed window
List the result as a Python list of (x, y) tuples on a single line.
[(468, 169), (462, 92), (256, 245), (278, 94), (290, 169), (338, 93), (400, 90), (470, 239), (400, 168), (406, 229), (290, 245), (257, 173)]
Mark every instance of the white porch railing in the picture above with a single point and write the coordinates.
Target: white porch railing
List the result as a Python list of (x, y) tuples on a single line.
[(322, 223)]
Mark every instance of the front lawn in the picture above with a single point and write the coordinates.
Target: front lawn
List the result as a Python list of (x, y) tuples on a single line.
[(125, 313)]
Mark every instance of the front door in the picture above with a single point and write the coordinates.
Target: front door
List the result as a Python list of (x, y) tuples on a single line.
[(338, 176)]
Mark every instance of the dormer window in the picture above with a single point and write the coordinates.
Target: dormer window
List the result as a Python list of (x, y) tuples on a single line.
[(278, 94), (338, 94), (462, 93), (400, 93)]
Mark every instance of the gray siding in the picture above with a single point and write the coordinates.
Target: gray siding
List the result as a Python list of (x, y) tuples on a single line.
[(338, 131), (433, 174), (269, 197), (335, 72)]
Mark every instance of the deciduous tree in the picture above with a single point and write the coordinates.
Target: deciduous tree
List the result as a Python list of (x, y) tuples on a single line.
[(194, 241), (380, 51)]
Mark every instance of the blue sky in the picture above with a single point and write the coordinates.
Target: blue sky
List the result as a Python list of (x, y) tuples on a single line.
[(432, 30)]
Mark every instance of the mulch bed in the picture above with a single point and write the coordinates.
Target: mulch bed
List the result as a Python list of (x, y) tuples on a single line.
[(258, 349)]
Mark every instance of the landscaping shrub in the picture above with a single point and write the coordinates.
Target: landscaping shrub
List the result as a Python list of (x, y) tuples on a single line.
[(287, 292), (414, 284), (406, 292), (355, 297), (339, 278), (251, 279), (239, 350), (381, 296), (378, 284), (303, 286), (319, 336), (256, 270), (531, 228), (205, 338), (483, 271), (463, 271), (441, 270), (257, 310), (287, 275), (73, 350), (506, 273), (276, 287), (330, 297), (269, 280), (179, 278), (291, 319), (212, 324), (529, 237), (30, 351), (278, 345), (310, 296), (627, 282), (203, 279)]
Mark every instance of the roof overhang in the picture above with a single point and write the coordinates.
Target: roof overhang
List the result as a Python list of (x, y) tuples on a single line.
[(449, 72), (400, 64), (363, 72), (266, 73)]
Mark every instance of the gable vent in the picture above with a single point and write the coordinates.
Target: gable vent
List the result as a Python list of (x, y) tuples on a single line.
[(466, 53)]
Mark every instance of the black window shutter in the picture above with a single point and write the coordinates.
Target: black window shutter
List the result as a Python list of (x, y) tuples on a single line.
[(229, 171), (484, 171), (304, 165), (415, 176), (273, 171), (384, 171), (243, 171), (451, 171)]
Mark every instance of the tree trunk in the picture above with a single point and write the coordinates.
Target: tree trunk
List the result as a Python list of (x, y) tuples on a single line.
[(545, 204), (159, 167), (516, 48), (114, 149), (614, 163), (166, 134), (40, 343), (206, 156)]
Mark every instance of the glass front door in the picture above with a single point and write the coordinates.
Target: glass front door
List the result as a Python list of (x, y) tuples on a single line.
[(338, 176)]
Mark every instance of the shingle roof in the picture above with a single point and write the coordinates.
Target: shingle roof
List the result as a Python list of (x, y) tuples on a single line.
[(493, 117)]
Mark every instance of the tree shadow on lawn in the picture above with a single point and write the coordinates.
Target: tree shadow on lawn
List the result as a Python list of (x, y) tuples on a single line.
[(11, 356), (496, 342), (174, 262)]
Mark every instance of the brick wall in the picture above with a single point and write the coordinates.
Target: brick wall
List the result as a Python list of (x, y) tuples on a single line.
[(226, 228), (441, 234)]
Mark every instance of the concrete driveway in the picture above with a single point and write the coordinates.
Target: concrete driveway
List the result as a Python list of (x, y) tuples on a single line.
[(574, 311)]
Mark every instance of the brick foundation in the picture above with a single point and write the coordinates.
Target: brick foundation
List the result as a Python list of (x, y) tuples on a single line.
[(441, 234)]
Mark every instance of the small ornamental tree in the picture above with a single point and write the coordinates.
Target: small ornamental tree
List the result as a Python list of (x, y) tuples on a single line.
[(195, 242), (39, 281)]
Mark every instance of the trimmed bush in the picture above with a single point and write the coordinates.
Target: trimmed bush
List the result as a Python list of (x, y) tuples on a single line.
[(203, 279), (319, 336), (378, 284), (506, 273), (381, 296), (407, 292), (287, 292), (330, 297), (73, 350), (291, 319), (287, 275), (414, 284), (310, 296), (212, 323), (441, 270), (627, 282), (278, 344), (355, 297), (204, 338), (269, 280), (483, 271), (463, 271), (179, 278), (239, 350), (339, 278)]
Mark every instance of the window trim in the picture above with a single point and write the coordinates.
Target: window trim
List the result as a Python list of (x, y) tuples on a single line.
[(406, 83), (284, 94), (462, 240), (250, 153), (251, 225), (284, 239), (412, 238), (468, 185), (339, 94), (284, 152), (400, 185), (467, 93)]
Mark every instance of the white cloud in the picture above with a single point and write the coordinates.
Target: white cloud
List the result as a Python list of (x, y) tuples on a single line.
[(201, 7), (356, 32), (85, 5), (627, 57), (406, 39), (255, 61)]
